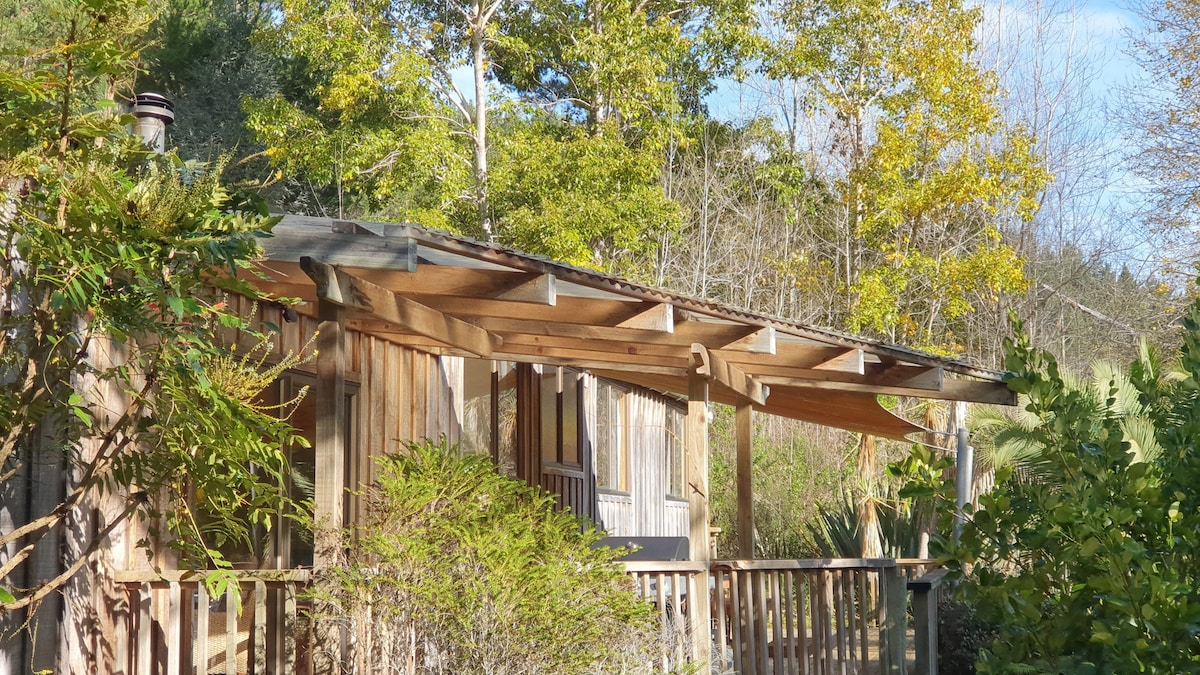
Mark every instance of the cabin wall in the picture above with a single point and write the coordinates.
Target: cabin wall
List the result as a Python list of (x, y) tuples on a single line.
[(402, 394)]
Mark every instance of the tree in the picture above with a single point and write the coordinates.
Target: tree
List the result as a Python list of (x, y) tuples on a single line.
[(112, 365), (635, 64), (380, 116), (1167, 118), (926, 174)]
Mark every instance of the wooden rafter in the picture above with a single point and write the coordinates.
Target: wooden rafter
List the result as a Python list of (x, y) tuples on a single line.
[(656, 316), (845, 360), (761, 341), (351, 292)]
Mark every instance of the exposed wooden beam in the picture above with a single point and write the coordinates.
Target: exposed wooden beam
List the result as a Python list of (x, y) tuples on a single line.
[(912, 377), (954, 390), (729, 375), (848, 361), (761, 341), (971, 391), (352, 292), (570, 310), (659, 316), (329, 446), (744, 431), (538, 289)]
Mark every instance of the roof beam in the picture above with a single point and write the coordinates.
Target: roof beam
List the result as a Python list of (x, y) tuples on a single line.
[(658, 316), (539, 289), (352, 292), (848, 361), (761, 341), (954, 390), (728, 375)]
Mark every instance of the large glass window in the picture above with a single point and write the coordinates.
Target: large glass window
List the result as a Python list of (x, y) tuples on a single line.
[(612, 438), (489, 423), (477, 424), (559, 394)]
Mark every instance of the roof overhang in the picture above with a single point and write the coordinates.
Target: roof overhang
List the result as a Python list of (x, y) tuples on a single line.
[(452, 296)]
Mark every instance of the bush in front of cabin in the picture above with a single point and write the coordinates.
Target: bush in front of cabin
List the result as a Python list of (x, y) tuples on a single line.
[(457, 569)]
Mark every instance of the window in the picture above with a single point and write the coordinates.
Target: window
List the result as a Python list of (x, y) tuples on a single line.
[(612, 440), (478, 429), (489, 421), (559, 394), (674, 445)]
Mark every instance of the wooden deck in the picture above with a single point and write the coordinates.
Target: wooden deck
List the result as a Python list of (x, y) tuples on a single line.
[(769, 617)]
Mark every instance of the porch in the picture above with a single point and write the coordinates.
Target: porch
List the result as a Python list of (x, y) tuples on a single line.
[(793, 617)]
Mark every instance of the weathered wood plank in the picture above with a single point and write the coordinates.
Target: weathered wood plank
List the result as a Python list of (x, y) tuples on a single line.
[(259, 632), (174, 627), (341, 249), (761, 341), (145, 628), (329, 401), (200, 661), (728, 375), (657, 316), (231, 631), (696, 463), (744, 431)]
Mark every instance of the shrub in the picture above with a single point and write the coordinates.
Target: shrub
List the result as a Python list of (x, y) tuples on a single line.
[(962, 634), (458, 569), (1093, 564)]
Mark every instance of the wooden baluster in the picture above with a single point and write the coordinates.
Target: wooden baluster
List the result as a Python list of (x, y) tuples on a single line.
[(174, 627), (777, 622), (145, 629), (864, 616), (231, 630), (289, 628), (259, 632), (124, 633), (738, 605), (722, 617), (200, 650)]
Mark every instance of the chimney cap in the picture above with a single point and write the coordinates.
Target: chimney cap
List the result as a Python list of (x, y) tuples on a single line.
[(150, 104)]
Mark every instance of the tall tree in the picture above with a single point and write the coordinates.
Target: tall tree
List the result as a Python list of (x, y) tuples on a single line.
[(927, 174), (1167, 120)]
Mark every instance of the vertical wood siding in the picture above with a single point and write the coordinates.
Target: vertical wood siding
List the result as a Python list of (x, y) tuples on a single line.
[(402, 394)]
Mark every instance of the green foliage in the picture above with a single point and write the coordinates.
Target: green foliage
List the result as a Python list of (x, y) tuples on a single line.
[(1092, 568), (466, 571), (112, 280), (638, 64), (962, 635), (931, 175), (577, 197)]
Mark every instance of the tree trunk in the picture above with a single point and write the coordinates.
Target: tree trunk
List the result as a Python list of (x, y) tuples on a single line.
[(479, 67)]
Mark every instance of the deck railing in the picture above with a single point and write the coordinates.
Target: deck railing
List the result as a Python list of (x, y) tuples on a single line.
[(769, 617), (175, 628)]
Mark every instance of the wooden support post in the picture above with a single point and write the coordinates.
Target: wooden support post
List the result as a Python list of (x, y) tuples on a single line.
[(745, 480), (696, 463), (893, 620), (925, 618), (330, 393)]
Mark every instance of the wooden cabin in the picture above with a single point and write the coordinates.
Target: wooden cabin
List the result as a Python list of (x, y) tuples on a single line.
[(592, 387)]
